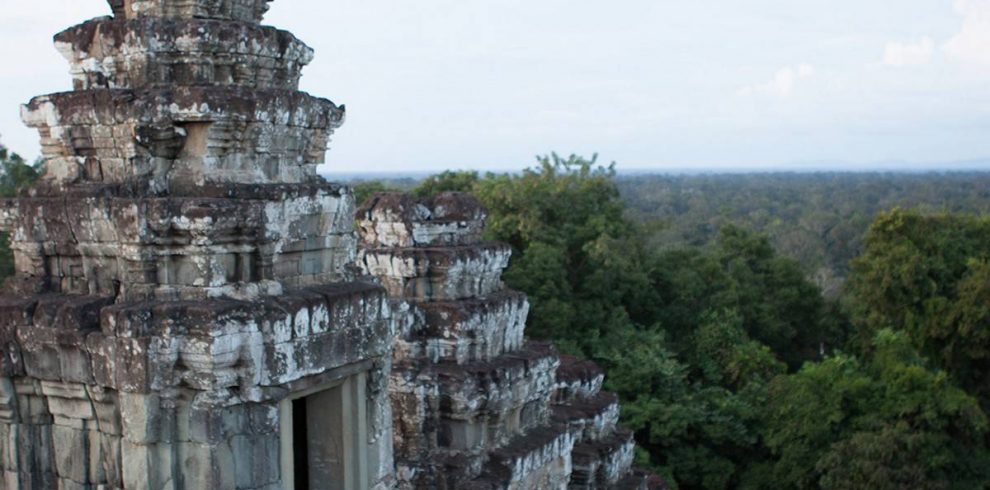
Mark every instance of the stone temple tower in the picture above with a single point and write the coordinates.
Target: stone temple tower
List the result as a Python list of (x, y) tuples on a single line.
[(189, 309), (186, 311)]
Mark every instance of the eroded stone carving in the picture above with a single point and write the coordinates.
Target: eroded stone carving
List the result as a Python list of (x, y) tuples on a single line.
[(189, 309), (184, 277), (476, 405)]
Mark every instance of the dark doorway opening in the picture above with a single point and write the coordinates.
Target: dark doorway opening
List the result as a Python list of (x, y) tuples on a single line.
[(300, 444), (325, 437)]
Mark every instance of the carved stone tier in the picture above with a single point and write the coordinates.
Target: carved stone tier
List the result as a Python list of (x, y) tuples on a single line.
[(540, 458), (600, 464), (589, 419), (577, 379), (226, 350), (149, 52), (446, 273), (475, 405), (238, 10), (472, 408), (183, 137), (154, 392), (398, 220), (640, 480), (464, 331), (234, 241)]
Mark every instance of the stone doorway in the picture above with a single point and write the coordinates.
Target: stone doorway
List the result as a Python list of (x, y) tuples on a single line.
[(324, 437)]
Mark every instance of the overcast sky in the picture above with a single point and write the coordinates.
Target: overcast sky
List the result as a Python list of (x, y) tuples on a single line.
[(488, 84)]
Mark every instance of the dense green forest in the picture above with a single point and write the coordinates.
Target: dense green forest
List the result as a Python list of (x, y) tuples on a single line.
[(818, 219), (734, 369)]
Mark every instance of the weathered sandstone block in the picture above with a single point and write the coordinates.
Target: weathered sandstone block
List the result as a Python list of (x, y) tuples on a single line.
[(250, 242), (237, 10), (184, 137), (464, 331), (398, 220), (448, 273), (150, 51)]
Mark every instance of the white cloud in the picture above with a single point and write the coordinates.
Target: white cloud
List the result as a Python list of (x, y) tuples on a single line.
[(783, 83), (909, 54), (971, 45)]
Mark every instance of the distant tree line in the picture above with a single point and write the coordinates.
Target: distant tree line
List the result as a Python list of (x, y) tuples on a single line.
[(818, 219)]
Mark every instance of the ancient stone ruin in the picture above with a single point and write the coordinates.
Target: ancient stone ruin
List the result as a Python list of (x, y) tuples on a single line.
[(186, 311), (475, 405), (192, 308)]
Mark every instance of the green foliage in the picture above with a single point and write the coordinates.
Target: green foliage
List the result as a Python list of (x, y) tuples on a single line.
[(14, 174), (689, 338), (928, 275), (700, 435), (888, 422), (724, 354), (367, 188), (769, 294), (574, 252), (818, 219), (449, 181)]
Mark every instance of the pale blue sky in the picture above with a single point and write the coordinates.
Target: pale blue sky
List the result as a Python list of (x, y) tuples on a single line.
[(487, 84)]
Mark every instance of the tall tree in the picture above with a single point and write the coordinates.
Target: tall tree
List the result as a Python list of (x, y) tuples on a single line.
[(889, 422), (575, 253), (928, 276), (689, 338)]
